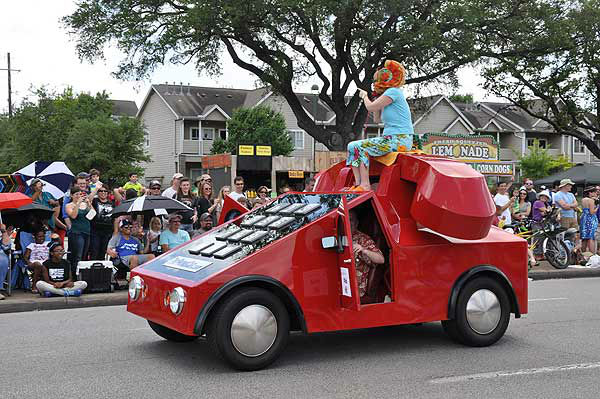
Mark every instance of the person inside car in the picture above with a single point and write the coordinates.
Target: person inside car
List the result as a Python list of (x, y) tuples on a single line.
[(366, 254)]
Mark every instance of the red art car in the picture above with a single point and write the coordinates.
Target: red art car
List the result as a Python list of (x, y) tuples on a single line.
[(290, 265)]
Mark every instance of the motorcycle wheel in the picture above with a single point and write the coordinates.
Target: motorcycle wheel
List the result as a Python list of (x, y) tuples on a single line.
[(556, 253)]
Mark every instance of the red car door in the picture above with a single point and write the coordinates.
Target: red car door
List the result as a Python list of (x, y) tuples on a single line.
[(349, 285)]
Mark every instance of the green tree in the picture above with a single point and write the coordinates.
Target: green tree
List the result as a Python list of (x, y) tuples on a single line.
[(113, 147), (260, 126), (562, 85), (75, 128), (462, 98), (539, 163), (283, 42)]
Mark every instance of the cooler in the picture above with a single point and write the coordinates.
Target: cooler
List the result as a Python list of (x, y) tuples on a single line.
[(97, 274)]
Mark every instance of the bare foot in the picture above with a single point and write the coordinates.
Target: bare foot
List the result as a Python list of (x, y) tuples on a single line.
[(365, 187)]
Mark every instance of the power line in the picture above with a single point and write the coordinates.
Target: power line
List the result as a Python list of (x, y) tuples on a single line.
[(9, 70)]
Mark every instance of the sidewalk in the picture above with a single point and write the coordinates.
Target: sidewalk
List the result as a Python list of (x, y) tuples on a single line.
[(545, 271), (21, 301)]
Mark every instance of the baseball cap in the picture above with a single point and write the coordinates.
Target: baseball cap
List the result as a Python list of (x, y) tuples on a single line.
[(85, 175), (125, 222), (35, 181), (205, 216), (177, 176), (155, 183)]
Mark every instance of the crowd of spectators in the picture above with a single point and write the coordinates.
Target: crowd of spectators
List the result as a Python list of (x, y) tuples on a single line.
[(517, 203), (84, 217)]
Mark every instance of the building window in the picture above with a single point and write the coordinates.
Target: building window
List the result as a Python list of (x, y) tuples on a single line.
[(223, 134), (208, 133), (146, 139), (578, 147), (543, 143), (191, 134), (297, 137)]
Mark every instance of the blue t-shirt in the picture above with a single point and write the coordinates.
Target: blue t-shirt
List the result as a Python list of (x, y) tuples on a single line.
[(568, 198), (125, 247), (173, 240), (396, 116)]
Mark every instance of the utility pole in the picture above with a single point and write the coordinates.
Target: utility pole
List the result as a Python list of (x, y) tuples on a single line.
[(9, 70)]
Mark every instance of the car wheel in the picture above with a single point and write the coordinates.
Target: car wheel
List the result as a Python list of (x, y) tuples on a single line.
[(250, 329), (171, 335), (482, 313)]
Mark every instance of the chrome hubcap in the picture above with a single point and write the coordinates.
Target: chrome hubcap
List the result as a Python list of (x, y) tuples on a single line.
[(253, 330), (483, 311)]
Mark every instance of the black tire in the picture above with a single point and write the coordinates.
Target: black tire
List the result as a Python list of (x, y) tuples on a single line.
[(219, 332), (171, 335), (557, 253), (459, 328)]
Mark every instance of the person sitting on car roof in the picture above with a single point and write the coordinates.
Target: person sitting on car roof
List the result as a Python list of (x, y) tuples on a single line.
[(366, 254)]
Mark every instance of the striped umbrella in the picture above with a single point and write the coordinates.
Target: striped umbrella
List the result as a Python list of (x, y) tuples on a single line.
[(56, 176), (156, 203)]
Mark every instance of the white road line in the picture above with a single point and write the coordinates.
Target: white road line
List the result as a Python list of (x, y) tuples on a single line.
[(496, 374), (547, 299)]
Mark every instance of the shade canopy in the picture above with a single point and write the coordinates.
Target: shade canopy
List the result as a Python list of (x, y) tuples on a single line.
[(584, 173)]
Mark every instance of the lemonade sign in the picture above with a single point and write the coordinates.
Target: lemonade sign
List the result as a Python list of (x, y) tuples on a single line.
[(461, 147)]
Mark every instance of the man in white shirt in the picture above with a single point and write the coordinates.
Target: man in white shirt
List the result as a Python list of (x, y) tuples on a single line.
[(238, 186), (503, 203), (171, 192)]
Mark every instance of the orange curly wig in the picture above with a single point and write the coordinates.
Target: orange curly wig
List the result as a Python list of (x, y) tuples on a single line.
[(391, 75)]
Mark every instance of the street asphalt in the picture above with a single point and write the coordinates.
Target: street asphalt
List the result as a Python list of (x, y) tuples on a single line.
[(106, 352), (21, 301)]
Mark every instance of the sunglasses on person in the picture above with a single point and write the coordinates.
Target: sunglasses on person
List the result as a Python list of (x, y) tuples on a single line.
[(262, 192), (102, 191)]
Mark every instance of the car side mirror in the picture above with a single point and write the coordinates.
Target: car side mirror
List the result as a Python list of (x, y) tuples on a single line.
[(329, 242)]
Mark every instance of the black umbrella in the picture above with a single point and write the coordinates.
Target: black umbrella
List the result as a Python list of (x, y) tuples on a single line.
[(18, 217), (156, 203)]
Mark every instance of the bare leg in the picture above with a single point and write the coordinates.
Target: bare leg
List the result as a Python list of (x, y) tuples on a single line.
[(364, 177), (133, 262), (356, 174)]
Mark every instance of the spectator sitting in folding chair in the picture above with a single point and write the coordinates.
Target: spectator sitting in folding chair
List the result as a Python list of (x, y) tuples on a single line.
[(35, 255), (125, 249), (56, 275)]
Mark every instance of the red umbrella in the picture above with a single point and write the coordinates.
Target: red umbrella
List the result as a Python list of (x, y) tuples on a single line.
[(13, 200)]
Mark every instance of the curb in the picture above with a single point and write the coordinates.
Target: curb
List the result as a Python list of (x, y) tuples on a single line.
[(87, 300), (562, 274)]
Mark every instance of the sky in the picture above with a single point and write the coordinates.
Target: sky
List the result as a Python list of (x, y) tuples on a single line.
[(43, 51)]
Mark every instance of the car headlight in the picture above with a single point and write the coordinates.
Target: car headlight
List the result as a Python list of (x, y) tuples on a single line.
[(177, 299), (136, 286)]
